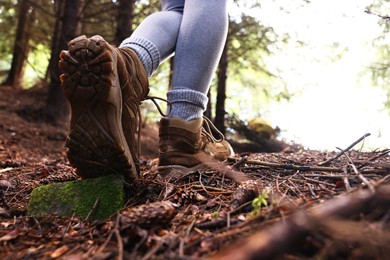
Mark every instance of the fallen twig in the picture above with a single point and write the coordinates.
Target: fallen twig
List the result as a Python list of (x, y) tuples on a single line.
[(119, 239), (384, 179), (185, 239), (242, 161), (345, 179), (381, 154), (108, 239), (283, 236), (364, 180), (291, 166), (92, 209), (210, 189), (345, 150), (154, 249), (385, 17)]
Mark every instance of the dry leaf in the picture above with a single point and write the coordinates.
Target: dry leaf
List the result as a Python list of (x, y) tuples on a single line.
[(11, 235)]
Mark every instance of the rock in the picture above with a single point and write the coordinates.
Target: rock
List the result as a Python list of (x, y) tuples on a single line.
[(97, 198)]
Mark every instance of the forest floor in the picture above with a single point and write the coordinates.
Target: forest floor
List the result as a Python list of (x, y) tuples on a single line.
[(292, 204)]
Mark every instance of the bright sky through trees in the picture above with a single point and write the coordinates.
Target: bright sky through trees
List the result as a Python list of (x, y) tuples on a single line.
[(338, 102)]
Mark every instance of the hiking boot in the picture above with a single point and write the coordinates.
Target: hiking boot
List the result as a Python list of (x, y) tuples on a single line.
[(135, 88), (183, 146), (99, 80)]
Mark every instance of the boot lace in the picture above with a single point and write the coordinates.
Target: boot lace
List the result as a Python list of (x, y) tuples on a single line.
[(208, 131), (139, 118)]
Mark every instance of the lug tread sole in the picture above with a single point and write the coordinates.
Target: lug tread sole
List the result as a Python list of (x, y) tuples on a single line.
[(96, 144)]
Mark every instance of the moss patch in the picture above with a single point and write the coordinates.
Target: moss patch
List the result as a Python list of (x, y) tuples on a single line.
[(79, 197)]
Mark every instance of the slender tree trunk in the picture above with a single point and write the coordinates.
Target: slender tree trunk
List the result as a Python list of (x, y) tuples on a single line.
[(21, 46), (171, 67), (68, 26), (125, 20), (221, 91), (55, 43), (208, 112)]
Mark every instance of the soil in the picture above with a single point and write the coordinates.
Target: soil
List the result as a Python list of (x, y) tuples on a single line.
[(291, 204)]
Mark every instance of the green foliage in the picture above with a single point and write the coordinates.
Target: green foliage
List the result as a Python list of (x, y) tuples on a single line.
[(250, 42), (380, 68), (145, 8), (8, 20), (158, 87), (37, 62), (250, 84), (99, 18), (259, 202), (41, 31)]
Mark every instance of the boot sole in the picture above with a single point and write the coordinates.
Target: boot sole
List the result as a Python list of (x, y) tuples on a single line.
[(96, 143)]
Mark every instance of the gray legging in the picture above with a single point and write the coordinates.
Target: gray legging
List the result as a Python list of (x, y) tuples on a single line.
[(195, 30)]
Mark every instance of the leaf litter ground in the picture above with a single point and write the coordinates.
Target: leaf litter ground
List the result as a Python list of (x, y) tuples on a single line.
[(309, 207)]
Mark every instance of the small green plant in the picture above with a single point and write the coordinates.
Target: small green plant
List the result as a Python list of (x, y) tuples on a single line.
[(215, 214), (258, 202)]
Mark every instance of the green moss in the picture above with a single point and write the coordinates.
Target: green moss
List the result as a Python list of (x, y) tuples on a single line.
[(79, 197)]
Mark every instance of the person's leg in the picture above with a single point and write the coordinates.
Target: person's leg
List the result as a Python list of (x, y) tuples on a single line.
[(199, 47), (186, 139), (196, 31), (105, 86), (172, 5), (155, 38)]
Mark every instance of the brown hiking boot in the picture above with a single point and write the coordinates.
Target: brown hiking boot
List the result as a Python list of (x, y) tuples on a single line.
[(183, 145), (99, 80), (135, 88)]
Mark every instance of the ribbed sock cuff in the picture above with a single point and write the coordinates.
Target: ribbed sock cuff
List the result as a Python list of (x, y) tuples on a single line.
[(187, 104), (146, 51)]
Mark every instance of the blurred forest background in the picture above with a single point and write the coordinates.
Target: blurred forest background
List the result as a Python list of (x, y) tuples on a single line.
[(276, 53)]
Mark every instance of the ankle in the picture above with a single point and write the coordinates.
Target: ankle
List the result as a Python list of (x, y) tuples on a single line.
[(187, 104), (146, 51)]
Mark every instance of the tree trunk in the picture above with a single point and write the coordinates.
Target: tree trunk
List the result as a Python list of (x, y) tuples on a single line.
[(21, 46), (55, 43), (208, 111), (125, 20), (221, 91), (171, 66), (68, 26)]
